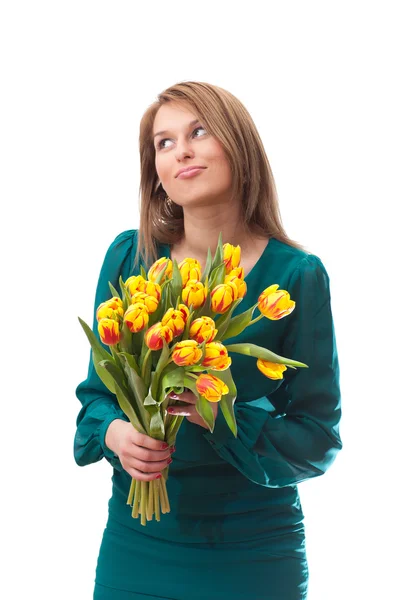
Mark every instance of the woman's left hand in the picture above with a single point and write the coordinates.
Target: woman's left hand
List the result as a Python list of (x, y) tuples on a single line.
[(189, 411)]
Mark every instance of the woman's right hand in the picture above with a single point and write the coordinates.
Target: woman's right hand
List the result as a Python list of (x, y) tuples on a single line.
[(143, 457)]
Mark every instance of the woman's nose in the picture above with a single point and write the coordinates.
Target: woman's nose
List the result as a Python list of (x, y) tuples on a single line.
[(183, 149)]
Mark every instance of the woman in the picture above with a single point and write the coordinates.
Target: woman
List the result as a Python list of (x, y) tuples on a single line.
[(235, 531)]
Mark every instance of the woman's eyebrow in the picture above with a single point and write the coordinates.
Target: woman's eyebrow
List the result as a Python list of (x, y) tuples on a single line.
[(166, 130)]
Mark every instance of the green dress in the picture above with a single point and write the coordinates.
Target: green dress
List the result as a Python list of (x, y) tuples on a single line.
[(235, 530)]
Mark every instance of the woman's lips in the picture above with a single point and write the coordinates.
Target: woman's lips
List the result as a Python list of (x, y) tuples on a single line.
[(190, 173)]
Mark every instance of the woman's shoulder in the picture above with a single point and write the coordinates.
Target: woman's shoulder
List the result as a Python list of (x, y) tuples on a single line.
[(293, 258)]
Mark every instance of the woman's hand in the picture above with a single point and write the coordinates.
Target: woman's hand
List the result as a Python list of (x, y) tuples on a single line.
[(189, 411), (143, 457)]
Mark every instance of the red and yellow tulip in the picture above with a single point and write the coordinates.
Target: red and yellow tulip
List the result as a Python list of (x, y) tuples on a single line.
[(158, 266), (211, 387), (186, 353), (275, 304), (239, 283), (184, 310), (135, 283), (151, 302), (203, 329), (194, 293), (157, 335), (111, 309), (216, 357), (109, 331), (175, 319), (136, 317), (270, 369), (190, 269), (152, 289), (222, 297), (231, 257)]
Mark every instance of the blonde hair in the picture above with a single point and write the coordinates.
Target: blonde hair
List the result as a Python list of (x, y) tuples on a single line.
[(224, 117)]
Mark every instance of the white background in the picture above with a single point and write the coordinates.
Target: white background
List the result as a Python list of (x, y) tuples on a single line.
[(319, 80)]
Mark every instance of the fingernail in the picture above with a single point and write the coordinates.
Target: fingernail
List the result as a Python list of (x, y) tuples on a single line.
[(170, 410), (158, 476), (164, 446), (170, 460), (174, 396), (172, 449)]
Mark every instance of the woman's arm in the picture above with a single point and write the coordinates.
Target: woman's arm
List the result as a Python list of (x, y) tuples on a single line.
[(99, 406), (303, 443)]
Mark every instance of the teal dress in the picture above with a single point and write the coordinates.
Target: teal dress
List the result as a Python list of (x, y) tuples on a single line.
[(235, 530)]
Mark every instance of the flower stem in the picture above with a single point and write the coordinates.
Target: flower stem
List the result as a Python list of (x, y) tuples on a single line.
[(143, 504), (131, 492), (136, 499), (144, 364), (157, 499), (255, 320), (149, 510)]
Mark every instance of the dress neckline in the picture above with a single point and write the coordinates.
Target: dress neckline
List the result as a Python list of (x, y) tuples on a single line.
[(254, 268)]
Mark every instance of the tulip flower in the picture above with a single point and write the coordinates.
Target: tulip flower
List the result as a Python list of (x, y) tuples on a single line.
[(175, 320), (136, 317), (240, 284), (157, 335), (203, 329), (275, 304), (216, 357), (270, 369), (211, 387), (186, 353), (194, 293), (150, 302), (111, 309), (184, 310), (158, 266), (109, 331), (135, 284), (237, 272), (231, 257), (222, 297), (152, 289), (190, 269)]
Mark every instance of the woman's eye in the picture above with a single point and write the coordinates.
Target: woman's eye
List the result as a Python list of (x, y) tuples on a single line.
[(160, 145)]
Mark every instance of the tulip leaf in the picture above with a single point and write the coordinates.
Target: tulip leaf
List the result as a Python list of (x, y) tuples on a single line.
[(142, 272), (206, 272), (122, 395), (185, 335), (114, 291), (204, 409), (227, 400), (99, 353), (156, 423), (263, 353), (162, 362), (237, 324), (136, 386), (217, 276), (219, 255), (176, 283), (222, 322), (162, 271), (171, 380), (125, 294)]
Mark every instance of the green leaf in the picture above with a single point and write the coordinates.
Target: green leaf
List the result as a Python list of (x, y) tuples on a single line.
[(125, 293), (99, 353), (219, 255), (228, 400), (162, 271), (114, 291), (259, 352), (237, 324), (204, 409), (176, 283), (164, 357), (217, 276), (142, 272), (206, 272), (171, 380), (223, 321)]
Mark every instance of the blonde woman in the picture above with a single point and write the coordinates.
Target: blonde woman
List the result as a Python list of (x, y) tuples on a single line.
[(236, 528)]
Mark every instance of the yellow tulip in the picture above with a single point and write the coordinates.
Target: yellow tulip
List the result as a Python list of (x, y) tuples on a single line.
[(237, 272), (240, 284), (190, 269), (109, 331), (203, 329), (211, 387), (152, 289), (157, 335), (216, 357), (231, 257), (175, 320), (270, 369), (275, 304), (135, 284), (186, 353), (150, 302), (136, 317), (184, 310), (111, 309), (194, 293), (157, 267), (222, 297)]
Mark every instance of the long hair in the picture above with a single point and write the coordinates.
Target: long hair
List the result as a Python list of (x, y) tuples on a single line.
[(224, 117)]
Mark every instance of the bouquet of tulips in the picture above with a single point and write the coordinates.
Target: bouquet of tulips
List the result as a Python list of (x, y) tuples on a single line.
[(165, 331)]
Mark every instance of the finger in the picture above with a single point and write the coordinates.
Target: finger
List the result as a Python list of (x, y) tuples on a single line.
[(145, 441), (188, 397), (149, 467), (147, 455), (140, 476), (181, 411)]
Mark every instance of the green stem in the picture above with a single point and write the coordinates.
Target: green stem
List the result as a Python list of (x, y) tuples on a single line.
[(144, 364), (256, 319)]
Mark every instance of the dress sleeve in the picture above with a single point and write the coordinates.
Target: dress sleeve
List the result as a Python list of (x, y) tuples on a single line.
[(304, 441), (99, 405)]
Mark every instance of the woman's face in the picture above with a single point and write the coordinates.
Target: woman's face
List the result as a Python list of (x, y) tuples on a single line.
[(185, 143)]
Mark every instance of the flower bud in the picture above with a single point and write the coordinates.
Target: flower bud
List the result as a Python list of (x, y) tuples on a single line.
[(231, 257), (203, 328), (157, 335), (216, 357), (186, 353), (111, 309), (135, 283), (270, 369), (239, 283), (175, 320), (194, 293), (222, 297), (190, 269), (275, 304), (158, 266), (184, 310), (150, 302), (152, 289), (136, 317), (211, 387), (109, 331)]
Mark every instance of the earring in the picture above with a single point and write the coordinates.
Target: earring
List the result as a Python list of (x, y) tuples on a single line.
[(168, 200)]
